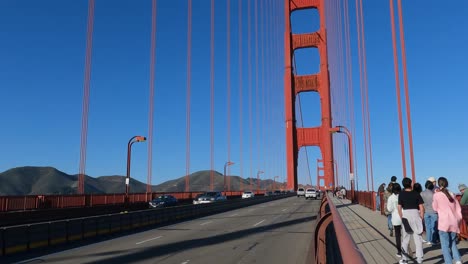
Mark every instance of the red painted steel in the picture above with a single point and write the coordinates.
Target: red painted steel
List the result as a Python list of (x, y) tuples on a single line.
[(35, 202), (151, 96), (189, 78), (318, 136), (85, 107)]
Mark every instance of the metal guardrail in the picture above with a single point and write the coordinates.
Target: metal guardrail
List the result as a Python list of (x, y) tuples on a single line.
[(37, 202), (15, 239), (367, 199), (331, 234)]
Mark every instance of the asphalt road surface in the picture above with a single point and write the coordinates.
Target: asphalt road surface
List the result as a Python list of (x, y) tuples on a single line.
[(280, 231)]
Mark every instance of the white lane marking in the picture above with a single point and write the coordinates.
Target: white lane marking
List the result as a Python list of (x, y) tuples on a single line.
[(147, 240), (206, 223), (259, 222), (185, 262), (283, 210), (233, 215)]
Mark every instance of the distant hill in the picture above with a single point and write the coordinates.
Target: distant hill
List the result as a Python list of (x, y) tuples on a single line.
[(48, 180)]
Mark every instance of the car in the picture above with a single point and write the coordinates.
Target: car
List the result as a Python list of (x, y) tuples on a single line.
[(311, 193), (269, 193), (247, 194), (300, 192), (277, 192), (163, 201), (209, 197)]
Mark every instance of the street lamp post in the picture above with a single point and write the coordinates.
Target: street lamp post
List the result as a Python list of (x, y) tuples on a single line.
[(343, 129), (258, 180), (129, 155), (228, 163)]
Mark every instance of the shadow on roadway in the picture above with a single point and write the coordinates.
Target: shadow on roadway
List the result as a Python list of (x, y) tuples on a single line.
[(161, 250)]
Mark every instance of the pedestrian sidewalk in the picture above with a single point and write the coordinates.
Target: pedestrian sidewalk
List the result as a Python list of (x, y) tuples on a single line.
[(370, 232)]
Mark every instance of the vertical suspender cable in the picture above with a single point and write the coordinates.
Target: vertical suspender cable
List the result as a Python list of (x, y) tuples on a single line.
[(405, 78), (189, 78), (350, 86), (151, 96), (85, 107), (228, 86), (397, 83), (367, 96), (257, 95), (249, 63), (241, 161), (358, 21), (212, 57)]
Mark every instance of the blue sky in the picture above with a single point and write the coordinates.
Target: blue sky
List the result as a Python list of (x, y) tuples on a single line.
[(41, 79)]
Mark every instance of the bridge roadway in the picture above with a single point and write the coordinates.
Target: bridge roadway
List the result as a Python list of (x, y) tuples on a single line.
[(279, 231)]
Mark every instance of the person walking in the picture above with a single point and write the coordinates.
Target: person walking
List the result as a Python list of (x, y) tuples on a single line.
[(464, 198), (430, 216), (380, 191), (392, 207), (387, 194), (411, 211), (449, 210)]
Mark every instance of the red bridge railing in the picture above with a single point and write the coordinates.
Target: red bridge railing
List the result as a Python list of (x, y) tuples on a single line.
[(331, 233), (34, 202), (367, 199)]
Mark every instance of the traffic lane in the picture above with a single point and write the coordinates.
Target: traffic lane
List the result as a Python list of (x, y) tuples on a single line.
[(286, 239), (247, 245), (173, 239)]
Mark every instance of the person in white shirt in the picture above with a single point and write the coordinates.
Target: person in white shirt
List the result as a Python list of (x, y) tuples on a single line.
[(392, 207)]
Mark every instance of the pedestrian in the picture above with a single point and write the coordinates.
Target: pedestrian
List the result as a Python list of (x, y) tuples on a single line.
[(464, 198), (449, 210), (434, 181), (417, 187), (387, 194), (393, 179), (380, 191), (411, 211), (430, 216), (392, 207)]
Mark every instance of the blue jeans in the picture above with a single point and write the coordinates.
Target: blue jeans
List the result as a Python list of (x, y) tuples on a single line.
[(430, 219), (377, 202), (389, 222), (448, 241)]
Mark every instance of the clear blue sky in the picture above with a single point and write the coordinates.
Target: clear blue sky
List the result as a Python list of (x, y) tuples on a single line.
[(41, 88)]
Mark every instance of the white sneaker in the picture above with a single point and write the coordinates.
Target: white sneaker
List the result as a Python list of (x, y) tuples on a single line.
[(458, 262), (428, 243), (402, 261), (424, 241)]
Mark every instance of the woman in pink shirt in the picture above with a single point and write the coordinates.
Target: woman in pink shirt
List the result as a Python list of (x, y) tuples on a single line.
[(449, 211)]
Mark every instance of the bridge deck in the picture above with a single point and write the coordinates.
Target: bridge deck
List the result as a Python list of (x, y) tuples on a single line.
[(369, 230)]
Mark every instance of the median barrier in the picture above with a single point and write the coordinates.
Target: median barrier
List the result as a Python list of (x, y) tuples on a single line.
[(21, 238)]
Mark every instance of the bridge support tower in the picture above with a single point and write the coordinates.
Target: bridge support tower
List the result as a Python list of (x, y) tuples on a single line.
[(295, 84)]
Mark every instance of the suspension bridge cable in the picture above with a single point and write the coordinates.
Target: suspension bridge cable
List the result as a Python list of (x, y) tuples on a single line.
[(189, 78), (228, 87), (367, 97), (249, 65), (86, 88), (359, 40), (397, 87), (151, 95), (212, 92), (407, 100), (241, 161)]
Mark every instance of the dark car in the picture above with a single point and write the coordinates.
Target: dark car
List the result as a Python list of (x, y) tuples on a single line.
[(163, 201), (209, 197)]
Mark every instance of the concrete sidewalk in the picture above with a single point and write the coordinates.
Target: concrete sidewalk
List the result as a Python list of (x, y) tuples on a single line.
[(370, 232)]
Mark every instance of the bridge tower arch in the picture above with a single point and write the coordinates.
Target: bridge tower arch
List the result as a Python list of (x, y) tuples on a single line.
[(295, 84)]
